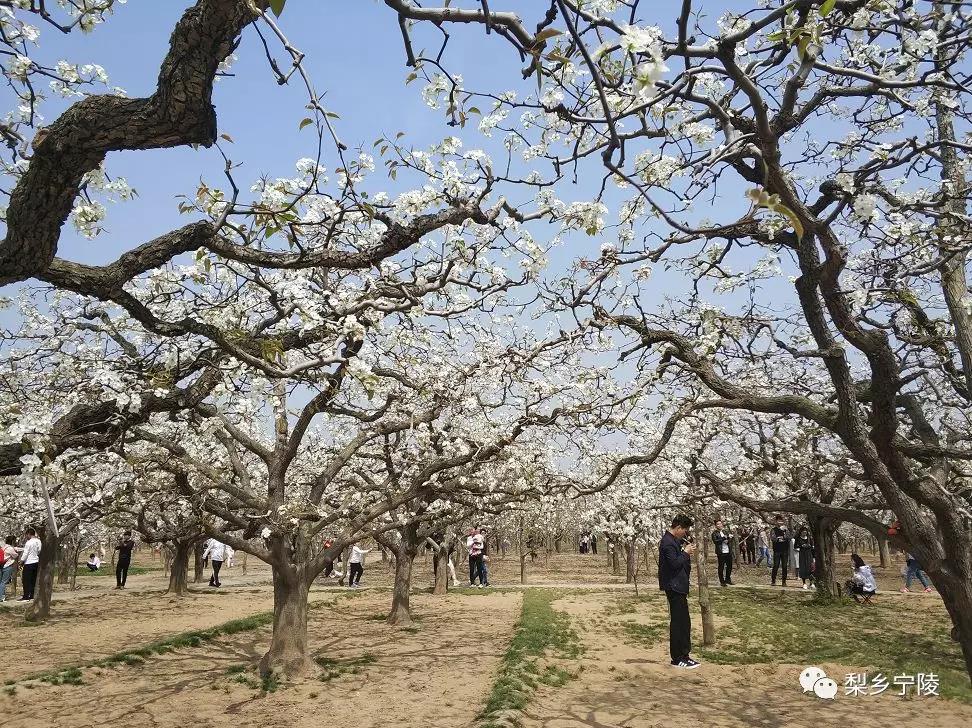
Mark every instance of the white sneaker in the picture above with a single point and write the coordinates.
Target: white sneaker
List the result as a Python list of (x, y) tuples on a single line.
[(813, 586), (805, 587), (686, 664)]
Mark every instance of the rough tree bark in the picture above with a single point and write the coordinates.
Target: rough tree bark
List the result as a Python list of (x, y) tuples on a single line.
[(884, 552), (824, 529), (400, 614), (702, 580), (182, 549), (199, 569), (180, 112), (287, 654), (40, 608)]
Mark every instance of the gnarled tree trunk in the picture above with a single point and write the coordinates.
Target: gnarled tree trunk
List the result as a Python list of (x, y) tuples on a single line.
[(179, 567), (199, 569), (288, 644), (441, 557), (825, 575), (40, 608), (400, 614)]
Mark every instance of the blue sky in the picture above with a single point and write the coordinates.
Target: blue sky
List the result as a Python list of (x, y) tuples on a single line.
[(354, 55)]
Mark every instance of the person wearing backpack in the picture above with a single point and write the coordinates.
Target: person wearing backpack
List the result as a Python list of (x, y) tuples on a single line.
[(8, 560)]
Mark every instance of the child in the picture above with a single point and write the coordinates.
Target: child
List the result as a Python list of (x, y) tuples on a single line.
[(94, 563), (862, 583)]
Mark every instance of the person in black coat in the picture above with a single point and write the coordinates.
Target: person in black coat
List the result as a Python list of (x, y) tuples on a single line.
[(804, 546), (674, 566), (722, 538), (781, 548)]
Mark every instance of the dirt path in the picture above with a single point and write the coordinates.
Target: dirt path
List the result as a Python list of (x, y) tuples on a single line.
[(632, 685), (416, 677), (102, 624)]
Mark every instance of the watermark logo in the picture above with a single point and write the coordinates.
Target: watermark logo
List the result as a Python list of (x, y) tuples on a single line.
[(814, 680), (923, 684)]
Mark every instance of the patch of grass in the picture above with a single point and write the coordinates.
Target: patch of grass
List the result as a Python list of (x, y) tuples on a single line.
[(270, 682), (894, 636), (555, 676), (70, 676), (644, 634), (109, 570), (137, 655), (235, 669), (11, 690), (542, 632), (335, 668), (193, 638)]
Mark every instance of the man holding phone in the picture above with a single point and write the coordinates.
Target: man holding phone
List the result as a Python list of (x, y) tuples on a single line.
[(674, 566)]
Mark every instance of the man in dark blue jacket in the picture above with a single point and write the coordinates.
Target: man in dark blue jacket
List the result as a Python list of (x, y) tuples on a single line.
[(674, 567)]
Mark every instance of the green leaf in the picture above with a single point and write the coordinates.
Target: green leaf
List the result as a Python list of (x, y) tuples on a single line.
[(547, 33), (277, 6), (802, 46), (227, 137), (305, 122), (776, 36), (474, 110), (794, 220), (332, 115), (410, 77), (826, 7)]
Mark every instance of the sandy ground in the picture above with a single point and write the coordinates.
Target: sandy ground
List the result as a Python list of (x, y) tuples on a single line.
[(633, 686), (420, 677)]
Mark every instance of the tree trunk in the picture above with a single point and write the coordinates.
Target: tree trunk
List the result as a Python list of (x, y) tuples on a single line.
[(825, 576), (954, 584), (179, 568), (288, 645), (523, 569), (441, 557), (705, 604), (74, 565), (40, 608), (199, 570), (64, 554), (615, 561), (885, 552), (631, 560), (167, 556), (400, 616)]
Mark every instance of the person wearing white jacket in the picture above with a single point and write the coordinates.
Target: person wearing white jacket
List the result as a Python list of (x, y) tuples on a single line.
[(356, 565), (217, 552)]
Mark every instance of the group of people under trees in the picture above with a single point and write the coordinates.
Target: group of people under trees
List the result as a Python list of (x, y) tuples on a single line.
[(786, 552), (775, 545), (677, 547)]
